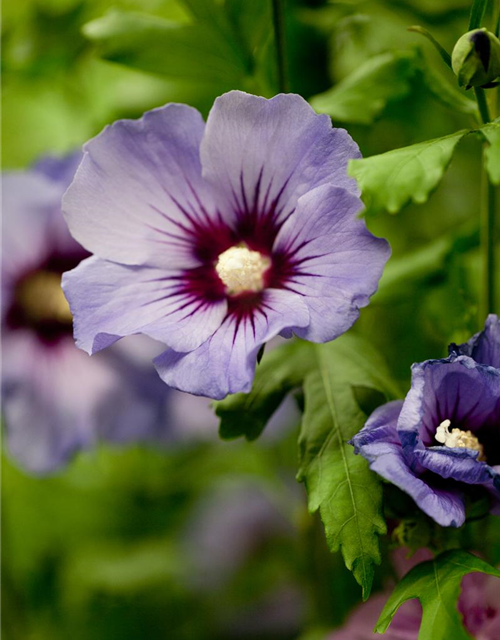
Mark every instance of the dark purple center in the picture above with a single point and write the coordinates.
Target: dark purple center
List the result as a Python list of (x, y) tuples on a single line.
[(38, 303), (208, 236)]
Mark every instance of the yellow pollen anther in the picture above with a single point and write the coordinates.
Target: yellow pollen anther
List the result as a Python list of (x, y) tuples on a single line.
[(42, 298), (456, 438), (242, 269)]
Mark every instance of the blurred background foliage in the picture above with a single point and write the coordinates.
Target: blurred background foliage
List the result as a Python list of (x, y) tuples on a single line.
[(208, 540)]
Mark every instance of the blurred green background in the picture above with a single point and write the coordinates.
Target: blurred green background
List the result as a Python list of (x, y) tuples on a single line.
[(211, 540)]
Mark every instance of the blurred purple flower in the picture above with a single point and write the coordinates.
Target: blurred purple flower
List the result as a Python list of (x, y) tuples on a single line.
[(214, 239), (479, 604), (446, 434), (57, 400), (231, 532)]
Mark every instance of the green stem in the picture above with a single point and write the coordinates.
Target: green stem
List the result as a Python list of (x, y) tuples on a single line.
[(279, 34), (488, 237), (496, 17), (488, 226), (482, 104)]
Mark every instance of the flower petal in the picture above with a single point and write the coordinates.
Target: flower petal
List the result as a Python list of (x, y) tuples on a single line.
[(31, 208), (380, 426), (493, 490), (445, 506), (59, 169), (225, 363), (459, 464), (262, 155), (484, 347), (338, 261), (110, 300), (138, 191), (49, 394), (138, 408)]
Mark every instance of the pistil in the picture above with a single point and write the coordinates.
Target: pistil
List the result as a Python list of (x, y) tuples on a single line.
[(242, 269), (456, 438), (42, 298)]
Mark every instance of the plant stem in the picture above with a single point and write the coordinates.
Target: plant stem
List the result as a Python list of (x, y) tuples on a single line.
[(496, 17), (279, 34), (488, 226), (482, 104), (488, 238)]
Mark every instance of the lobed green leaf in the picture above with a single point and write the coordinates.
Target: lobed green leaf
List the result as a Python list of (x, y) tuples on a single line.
[(337, 379), (391, 180), (339, 483), (436, 584)]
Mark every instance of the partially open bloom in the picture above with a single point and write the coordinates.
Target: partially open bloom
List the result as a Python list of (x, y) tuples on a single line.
[(215, 238), (57, 400), (445, 436)]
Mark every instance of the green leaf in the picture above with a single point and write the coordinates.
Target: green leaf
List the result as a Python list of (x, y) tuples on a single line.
[(336, 377), (427, 34), (281, 370), (491, 133), (436, 584), (214, 15), (339, 483), (447, 94), (391, 180), (252, 22), (359, 364), (185, 51), (364, 94), (477, 14)]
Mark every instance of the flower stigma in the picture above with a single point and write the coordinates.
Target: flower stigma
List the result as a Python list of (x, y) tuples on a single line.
[(456, 438), (42, 298), (242, 269)]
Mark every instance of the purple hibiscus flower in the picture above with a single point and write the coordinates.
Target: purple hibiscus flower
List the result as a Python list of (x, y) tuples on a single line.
[(215, 238), (479, 604), (445, 435), (57, 400)]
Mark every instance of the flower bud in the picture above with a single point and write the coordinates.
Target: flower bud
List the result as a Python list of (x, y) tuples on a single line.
[(476, 58)]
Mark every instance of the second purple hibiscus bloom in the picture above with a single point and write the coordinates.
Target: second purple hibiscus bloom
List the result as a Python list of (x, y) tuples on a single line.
[(445, 436), (215, 238)]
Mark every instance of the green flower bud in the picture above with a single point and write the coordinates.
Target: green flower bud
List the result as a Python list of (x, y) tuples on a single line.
[(476, 58)]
